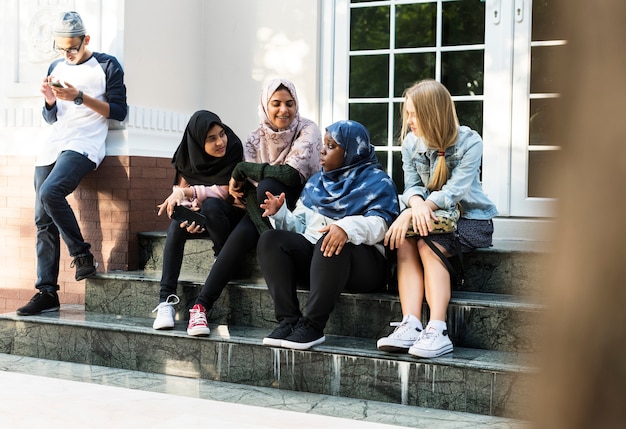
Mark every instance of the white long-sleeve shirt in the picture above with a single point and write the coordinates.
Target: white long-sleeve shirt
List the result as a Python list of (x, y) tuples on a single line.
[(368, 230)]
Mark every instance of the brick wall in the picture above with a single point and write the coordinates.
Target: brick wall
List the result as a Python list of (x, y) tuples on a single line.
[(112, 204)]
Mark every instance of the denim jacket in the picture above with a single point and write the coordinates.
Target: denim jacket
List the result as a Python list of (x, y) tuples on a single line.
[(463, 185)]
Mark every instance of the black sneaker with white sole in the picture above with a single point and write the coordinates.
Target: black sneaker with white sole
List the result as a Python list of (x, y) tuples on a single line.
[(282, 331), (303, 337), (42, 302)]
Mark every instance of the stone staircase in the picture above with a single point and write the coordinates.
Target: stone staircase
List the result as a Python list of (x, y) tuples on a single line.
[(492, 323)]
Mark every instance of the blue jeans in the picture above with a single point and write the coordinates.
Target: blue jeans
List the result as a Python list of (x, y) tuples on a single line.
[(54, 216)]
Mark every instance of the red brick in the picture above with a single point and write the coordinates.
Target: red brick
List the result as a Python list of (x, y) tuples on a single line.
[(112, 204), (141, 161)]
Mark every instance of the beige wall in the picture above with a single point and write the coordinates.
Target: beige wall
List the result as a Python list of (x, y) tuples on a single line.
[(195, 54), (178, 57)]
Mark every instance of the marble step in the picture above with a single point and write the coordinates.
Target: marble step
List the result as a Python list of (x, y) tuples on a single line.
[(468, 380), (227, 404), (476, 320), (509, 267)]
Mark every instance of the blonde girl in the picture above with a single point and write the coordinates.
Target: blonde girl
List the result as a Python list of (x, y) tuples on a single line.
[(441, 163)]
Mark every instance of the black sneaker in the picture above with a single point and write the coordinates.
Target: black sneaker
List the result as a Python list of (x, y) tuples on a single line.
[(282, 331), (85, 267), (42, 302), (304, 336)]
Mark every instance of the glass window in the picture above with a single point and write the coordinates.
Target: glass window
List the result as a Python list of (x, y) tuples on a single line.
[(462, 72), (545, 24), (541, 169), (543, 61), (405, 43), (470, 113), (396, 173), (416, 25), (463, 23), (409, 68), (369, 28), (541, 110), (369, 76), (375, 118)]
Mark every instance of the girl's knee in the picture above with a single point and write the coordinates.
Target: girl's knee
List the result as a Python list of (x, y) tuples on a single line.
[(267, 238)]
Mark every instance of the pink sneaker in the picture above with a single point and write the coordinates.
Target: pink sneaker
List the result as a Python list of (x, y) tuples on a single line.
[(198, 326)]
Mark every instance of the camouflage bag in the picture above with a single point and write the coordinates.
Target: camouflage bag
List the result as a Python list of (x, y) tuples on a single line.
[(446, 223)]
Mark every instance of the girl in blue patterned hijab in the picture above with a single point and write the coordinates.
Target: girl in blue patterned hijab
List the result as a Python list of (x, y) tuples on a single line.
[(331, 241), (359, 186)]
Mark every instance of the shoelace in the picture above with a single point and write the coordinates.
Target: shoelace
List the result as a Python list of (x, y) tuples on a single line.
[(164, 305), (401, 328), (197, 317), (429, 335), (168, 303), (80, 260), (300, 329)]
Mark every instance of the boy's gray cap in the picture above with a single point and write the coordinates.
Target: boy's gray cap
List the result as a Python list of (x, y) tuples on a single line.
[(69, 24)]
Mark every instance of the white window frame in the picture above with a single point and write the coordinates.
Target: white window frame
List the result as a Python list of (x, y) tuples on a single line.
[(505, 102)]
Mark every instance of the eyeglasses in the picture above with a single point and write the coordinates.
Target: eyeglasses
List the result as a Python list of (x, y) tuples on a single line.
[(71, 50)]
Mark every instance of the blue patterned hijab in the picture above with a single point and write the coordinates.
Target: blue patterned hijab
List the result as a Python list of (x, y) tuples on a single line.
[(360, 187)]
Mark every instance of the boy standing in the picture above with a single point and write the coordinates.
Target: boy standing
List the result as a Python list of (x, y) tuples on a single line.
[(82, 90)]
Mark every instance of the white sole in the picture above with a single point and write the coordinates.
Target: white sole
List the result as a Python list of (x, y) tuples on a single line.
[(272, 342), (203, 332), (389, 347), (301, 346), (431, 353), (162, 327)]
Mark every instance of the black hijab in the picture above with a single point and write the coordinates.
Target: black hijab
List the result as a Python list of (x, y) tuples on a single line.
[(194, 164)]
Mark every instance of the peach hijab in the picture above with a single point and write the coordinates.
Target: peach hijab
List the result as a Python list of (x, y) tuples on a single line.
[(298, 146)]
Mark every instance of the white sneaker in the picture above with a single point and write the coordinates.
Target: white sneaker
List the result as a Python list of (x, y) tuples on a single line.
[(431, 343), (165, 313), (198, 326), (402, 338)]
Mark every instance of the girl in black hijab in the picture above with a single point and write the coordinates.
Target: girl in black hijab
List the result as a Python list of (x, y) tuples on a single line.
[(204, 161)]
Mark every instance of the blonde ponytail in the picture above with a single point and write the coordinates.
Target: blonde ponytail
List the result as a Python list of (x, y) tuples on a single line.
[(437, 121)]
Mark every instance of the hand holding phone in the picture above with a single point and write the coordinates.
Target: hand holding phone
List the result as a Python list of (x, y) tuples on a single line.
[(56, 84), (182, 214)]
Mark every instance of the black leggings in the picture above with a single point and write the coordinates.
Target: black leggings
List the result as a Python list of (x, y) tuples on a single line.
[(288, 259), (221, 216), (240, 242)]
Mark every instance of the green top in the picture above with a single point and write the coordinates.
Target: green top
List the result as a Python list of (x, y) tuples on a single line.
[(285, 174)]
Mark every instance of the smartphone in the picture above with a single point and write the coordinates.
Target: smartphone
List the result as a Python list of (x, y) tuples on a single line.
[(57, 84), (182, 214)]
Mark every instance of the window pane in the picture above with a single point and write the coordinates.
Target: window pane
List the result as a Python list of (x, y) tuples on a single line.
[(463, 22), (462, 72), (374, 117), (369, 76), (416, 25), (409, 68), (541, 112), (541, 167), (470, 113), (397, 123), (543, 63), (398, 173), (369, 28), (546, 20)]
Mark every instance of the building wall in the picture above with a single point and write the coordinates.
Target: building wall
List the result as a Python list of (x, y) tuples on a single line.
[(216, 55), (178, 57), (112, 204)]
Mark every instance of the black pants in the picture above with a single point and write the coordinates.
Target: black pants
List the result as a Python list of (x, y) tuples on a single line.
[(221, 216), (288, 259), (240, 242)]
